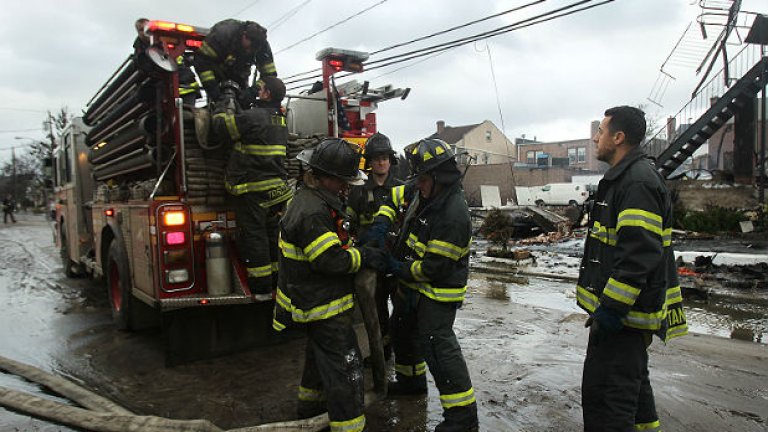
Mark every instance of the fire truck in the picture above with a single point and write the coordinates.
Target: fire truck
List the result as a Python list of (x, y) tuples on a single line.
[(141, 202)]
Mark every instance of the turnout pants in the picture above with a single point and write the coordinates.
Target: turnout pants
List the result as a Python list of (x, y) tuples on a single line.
[(257, 241), (333, 374), (422, 332), (616, 392)]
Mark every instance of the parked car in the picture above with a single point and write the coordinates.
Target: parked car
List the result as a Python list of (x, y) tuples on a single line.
[(552, 194)]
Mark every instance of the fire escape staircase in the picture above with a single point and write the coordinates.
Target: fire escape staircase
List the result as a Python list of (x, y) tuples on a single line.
[(687, 142)]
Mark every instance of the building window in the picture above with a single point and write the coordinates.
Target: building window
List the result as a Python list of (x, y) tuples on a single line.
[(486, 157), (530, 157), (572, 156), (582, 154), (488, 136)]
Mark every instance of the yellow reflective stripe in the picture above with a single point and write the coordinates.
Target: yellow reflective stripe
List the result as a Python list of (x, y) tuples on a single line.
[(357, 424), (674, 295), (321, 244), (411, 370), (261, 271), (186, 90), (277, 325), (666, 237), (258, 186), (206, 76), (279, 120), (446, 249), (653, 426), (234, 132), (621, 292), (324, 311), (268, 68), (676, 331), (387, 211), (310, 395), (458, 399), (398, 195), (586, 299), (417, 246), (285, 196), (291, 251), (260, 150), (355, 259), (640, 218), (438, 294), (603, 234), (417, 272), (283, 301), (275, 266), (207, 50)]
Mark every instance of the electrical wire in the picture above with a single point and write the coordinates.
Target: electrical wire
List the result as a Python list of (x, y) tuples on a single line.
[(250, 5), (288, 15), (331, 26), (486, 18), (528, 22)]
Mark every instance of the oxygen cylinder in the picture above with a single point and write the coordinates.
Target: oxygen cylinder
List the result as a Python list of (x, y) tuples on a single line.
[(217, 266)]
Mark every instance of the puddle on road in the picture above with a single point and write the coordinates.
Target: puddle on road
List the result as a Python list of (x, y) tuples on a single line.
[(721, 317)]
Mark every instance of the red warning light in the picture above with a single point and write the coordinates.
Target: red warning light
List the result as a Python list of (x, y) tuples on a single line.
[(337, 65)]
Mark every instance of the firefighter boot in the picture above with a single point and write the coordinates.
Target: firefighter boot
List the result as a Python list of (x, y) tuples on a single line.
[(459, 419), (405, 386), (309, 409)]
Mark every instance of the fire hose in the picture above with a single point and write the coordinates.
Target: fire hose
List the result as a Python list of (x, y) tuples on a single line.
[(102, 415)]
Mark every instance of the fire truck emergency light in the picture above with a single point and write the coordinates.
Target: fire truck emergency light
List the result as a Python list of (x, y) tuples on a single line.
[(174, 218), (175, 238)]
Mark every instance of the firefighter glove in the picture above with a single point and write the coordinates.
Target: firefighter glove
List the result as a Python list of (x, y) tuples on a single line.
[(374, 258), (249, 96), (608, 320), (375, 235), (395, 267)]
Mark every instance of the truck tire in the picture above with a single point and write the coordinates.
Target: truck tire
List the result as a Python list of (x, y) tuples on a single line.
[(540, 203), (66, 262), (119, 287), (573, 203)]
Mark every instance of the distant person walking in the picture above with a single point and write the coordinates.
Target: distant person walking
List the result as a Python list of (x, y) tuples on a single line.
[(628, 280), (9, 206)]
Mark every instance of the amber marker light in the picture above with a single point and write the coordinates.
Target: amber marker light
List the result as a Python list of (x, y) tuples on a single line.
[(174, 218)]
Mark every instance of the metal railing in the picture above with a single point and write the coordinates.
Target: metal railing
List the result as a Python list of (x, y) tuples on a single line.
[(700, 102)]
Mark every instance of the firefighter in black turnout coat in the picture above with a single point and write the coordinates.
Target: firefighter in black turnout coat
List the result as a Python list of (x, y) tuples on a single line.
[(256, 180), (316, 285), (628, 280), (228, 52), (431, 261)]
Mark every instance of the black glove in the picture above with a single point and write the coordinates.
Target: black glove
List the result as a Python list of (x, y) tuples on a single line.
[(248, 96), (395, 267), (603, 323), (375, 235), (374, 258)]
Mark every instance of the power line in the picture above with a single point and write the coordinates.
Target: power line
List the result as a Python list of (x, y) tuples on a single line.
[(288, 15), (419, 39), (332, 26), (22, 110), (20, 130), (528, 22), (250, 5)]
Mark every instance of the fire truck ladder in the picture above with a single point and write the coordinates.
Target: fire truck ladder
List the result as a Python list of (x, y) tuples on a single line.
[(685, 143)]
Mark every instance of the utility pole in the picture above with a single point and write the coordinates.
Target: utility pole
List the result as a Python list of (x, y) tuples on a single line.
[(13, 172)]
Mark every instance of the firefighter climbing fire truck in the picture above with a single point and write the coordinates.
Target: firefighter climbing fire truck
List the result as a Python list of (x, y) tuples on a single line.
[(140, 191)]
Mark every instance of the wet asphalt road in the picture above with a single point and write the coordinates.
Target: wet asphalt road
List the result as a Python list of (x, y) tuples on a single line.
[(525, 359)]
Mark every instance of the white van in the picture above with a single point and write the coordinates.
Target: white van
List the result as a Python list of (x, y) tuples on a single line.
[(553, 194)]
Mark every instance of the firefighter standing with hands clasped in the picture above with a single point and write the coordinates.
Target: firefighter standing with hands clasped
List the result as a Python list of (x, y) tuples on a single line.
[(316, 285), (431, 262), (628, 280)]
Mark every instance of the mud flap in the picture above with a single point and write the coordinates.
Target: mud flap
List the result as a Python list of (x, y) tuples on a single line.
[(200, 333)]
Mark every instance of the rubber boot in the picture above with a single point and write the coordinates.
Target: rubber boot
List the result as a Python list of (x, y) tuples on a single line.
[(309, 409), (405, 386), (459, 419)]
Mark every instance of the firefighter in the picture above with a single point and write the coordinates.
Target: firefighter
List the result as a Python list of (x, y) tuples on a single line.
[(256, 180), (364, 202), (9, 206), (628, 279), (317, 269), (431, 262), (228, 52)]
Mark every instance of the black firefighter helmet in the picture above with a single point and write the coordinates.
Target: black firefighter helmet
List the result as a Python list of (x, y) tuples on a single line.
[(335, 157), (433, 156), (378, 144)]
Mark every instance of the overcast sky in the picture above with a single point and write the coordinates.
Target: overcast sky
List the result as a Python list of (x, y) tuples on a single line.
[(553, 79)]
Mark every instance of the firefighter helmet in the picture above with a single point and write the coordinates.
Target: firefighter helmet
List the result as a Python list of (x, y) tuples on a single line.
[(427, 154), (378, 144), (335, 157)]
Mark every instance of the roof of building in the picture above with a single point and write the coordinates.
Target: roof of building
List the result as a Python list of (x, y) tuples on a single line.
[(453, 134)]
